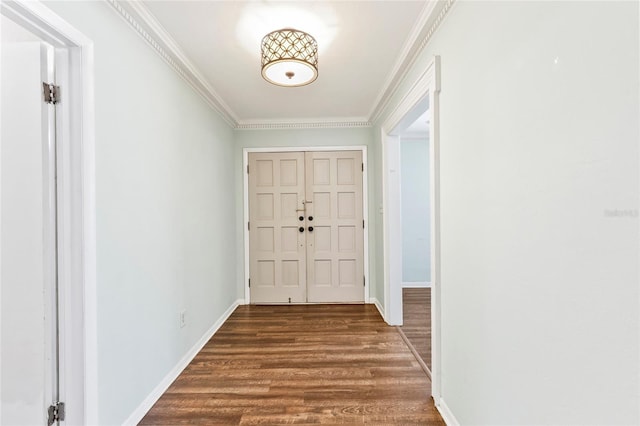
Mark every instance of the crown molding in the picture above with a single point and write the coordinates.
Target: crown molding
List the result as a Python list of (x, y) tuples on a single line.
[(429, 21), (302, 124), (147, 26), (142, 21)]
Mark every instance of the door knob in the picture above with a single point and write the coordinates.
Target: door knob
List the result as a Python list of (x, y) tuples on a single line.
[(301, 218), (310, 217), (301, 229), (311, 229)]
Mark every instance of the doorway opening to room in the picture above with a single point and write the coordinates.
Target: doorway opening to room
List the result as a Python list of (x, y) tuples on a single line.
[(411, 216), (416, 239), (306, 223)]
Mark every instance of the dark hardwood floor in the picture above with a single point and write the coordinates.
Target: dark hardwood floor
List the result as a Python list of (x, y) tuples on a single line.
[(304, 364), (417, 320)]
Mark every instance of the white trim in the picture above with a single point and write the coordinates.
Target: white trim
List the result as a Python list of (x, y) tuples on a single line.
[(161, 388), (446, 413), (436, 13), (409, 49), (365, 204), (329, 123), (392, 228), (76, 206), (416, 284), (147, 26), (377, 304), (427, 85)]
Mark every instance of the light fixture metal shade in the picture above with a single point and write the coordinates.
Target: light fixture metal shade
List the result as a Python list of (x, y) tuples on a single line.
[(289, 58)]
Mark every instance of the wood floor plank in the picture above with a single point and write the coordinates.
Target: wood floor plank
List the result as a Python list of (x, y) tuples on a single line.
[(301, 364)]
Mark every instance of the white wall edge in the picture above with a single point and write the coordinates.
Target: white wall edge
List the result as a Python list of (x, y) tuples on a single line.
[(161, 388), (416, 284), (446, 413), (378, 306)]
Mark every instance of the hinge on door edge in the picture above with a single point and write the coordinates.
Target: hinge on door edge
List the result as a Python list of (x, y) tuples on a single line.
[(50, 92), (362, 223), (55, 413), (364, 281), (248, 226), (249, 282), (247, 169), (363, 167)]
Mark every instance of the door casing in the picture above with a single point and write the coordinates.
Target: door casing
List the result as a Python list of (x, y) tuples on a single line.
[(426, 86), (76, 205), (365, 203)]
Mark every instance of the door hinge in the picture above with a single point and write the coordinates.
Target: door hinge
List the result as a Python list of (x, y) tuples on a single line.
[(55, 413), (248, 226), (51, 93), (247, 169), (362, 223), (249, 282), (364, 281), (363, 167)]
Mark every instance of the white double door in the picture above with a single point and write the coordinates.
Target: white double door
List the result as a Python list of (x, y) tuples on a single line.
[(306, 227)]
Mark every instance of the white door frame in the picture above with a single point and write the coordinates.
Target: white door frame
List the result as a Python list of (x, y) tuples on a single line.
[(76, 205), (427, 86), (365, 205)]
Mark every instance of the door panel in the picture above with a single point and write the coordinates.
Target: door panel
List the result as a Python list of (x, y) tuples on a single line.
[(277, 261), (335, 246)]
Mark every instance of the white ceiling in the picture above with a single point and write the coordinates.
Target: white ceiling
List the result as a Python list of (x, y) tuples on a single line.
[(364, 47)]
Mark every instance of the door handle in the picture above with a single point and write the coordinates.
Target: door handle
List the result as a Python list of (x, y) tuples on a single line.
[(311, 229)]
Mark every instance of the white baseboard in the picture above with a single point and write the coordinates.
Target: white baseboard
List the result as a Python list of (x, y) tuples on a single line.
[(159, 390), (416, 284), (378, 306), (446, 413)]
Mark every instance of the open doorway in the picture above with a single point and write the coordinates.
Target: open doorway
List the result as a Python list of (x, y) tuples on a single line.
[(421, 98), (416, 240)]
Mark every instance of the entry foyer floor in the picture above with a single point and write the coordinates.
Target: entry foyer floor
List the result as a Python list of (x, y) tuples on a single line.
[(301, 364)]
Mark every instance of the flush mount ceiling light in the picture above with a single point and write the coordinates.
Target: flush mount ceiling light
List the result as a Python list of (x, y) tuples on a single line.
[(289, 58)]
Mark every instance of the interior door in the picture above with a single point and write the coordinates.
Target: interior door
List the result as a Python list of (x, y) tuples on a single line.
[(277, 259), (306, 237), (28, 274), (335, 237)]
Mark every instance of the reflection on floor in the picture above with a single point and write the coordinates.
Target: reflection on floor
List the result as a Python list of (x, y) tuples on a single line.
[(417, 321)]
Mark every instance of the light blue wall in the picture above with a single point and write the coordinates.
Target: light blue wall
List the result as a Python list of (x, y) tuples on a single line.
[(416, 235), (538, 165), (165, 212), (304, 138)]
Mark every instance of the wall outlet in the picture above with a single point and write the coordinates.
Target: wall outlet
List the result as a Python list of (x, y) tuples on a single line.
[(183, 318)]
